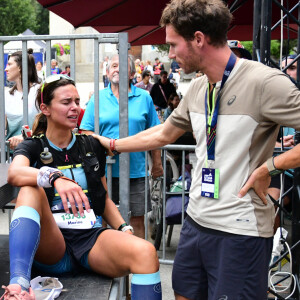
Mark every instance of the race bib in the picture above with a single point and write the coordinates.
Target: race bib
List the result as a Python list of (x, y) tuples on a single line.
[(69, 221)]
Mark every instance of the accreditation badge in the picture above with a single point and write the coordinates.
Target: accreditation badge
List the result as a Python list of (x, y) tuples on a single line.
[(210, 183)]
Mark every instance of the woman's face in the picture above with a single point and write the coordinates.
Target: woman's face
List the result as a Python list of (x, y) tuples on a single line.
[(64, 108), (138, 78), (13, 71), (175, 101), (38, 66)]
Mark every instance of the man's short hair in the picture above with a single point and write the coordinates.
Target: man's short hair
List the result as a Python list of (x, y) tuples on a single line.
[(211, 17), (145, 73), (163, 73), (156, 58)]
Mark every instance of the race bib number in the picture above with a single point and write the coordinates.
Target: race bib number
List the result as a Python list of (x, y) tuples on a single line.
[(69, 221)]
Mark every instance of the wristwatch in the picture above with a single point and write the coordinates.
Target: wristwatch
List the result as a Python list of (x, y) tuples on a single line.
[(271, 167)]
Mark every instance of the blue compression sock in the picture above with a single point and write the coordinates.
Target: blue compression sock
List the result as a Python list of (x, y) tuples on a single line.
[(24, 236), (146, 286)]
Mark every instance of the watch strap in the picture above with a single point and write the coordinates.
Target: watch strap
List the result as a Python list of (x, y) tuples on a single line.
[(273, 171)]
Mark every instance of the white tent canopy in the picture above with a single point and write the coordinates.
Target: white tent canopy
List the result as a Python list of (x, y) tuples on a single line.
[(37, 46)]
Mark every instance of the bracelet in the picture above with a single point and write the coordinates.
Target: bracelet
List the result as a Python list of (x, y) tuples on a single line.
[(128, 227), (122, 225), (112, 146)]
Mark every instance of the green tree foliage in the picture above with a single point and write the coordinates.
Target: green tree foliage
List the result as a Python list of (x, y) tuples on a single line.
[(163, 49), (288, 48), (18, 15)]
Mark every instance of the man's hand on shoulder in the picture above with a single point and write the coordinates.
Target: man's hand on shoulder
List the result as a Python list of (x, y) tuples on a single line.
[(259, 180)]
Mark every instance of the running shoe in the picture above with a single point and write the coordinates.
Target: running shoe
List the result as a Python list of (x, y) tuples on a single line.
[(14, 292)]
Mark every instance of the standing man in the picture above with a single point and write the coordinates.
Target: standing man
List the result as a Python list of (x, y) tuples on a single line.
[(104, 67), (162, 90), (174, 70), (145, 84), (141, 115), (226, 240), (157, 68)]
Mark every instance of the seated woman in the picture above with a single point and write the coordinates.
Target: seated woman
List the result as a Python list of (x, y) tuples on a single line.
[(56, 224)]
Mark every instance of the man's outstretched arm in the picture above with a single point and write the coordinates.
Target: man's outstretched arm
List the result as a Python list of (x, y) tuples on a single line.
[(152, 138)]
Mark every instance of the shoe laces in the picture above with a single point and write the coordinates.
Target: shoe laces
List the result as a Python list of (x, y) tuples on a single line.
[(10, 293)]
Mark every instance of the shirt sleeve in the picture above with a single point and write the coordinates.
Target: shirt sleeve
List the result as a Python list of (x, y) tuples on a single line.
[(180, 116), (280, 100), (87, 122), (31, 148), (101, 155)]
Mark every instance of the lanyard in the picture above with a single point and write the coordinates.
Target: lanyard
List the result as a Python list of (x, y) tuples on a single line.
[(211, 115)]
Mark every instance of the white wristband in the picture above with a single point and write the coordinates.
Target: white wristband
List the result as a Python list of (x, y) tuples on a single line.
[(44, 175), (127, 227)]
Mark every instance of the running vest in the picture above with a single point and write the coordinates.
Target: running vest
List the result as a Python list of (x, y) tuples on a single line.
[(91, 167)]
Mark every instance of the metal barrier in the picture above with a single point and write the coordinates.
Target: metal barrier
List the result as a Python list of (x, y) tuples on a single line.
[(184, 149), (121, 39)]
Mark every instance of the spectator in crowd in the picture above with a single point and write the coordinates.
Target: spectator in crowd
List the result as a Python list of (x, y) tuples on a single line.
[(238, 49), (14, 97), (141, 115), (67, 70), (145, 84), (226, 240), (142, 65), (292, 69), (157, 68), (138, 77), (41, 233), (54, 67), (173, 102), (104, 67), (175, 71), (162, 90), (138, 67), (149, 67), (40, 71)]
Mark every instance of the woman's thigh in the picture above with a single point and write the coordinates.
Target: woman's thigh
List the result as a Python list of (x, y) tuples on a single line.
[(117, 254)]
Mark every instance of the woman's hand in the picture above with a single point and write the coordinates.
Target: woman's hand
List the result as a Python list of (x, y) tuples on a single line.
[(14, 141), (69, 190)]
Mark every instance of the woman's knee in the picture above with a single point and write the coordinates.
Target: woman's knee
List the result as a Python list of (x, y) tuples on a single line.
[(146, 257), (32, 196)]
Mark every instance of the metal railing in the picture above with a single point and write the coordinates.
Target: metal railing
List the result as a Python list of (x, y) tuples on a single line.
[(121, 39)]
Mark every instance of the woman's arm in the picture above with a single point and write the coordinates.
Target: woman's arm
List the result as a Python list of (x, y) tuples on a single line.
[(20, 173)]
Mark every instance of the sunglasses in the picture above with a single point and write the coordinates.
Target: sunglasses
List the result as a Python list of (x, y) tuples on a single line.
[(53, 78), (233, 43)]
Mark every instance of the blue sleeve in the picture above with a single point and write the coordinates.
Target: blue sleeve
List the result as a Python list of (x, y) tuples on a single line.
[(153, 119), (87, 122)]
